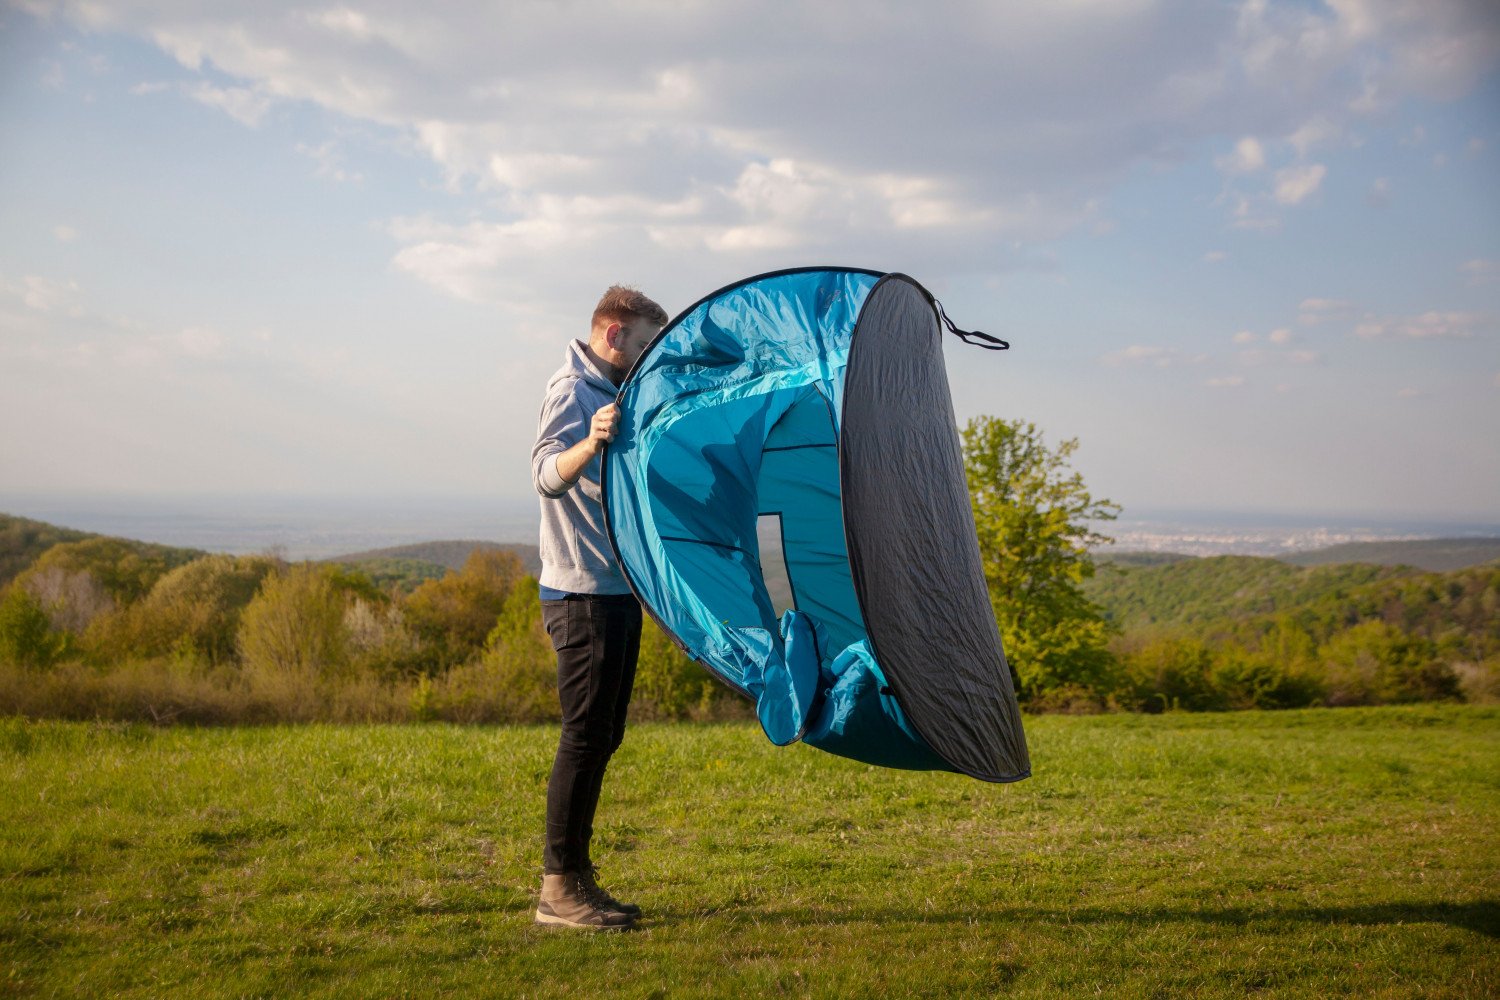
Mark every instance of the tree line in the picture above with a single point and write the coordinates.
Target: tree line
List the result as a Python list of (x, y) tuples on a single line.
[(95, 626)]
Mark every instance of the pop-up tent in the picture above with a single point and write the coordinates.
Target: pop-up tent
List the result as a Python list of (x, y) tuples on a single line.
[(815, 401)]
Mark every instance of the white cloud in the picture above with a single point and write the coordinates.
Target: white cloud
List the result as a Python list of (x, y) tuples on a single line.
[(536, 106), (1409, 393), (1480, 271), (1246, 215), (1244, 337), (1247, 157), (1152, 355), (1379, 195), (1313, 133), (1257, 357), (1225, 381), (46, 295), (1312, 312), (244, 104), (329, 162), (1432, 325), (64, 234), (1216, 256), (1295, 184), (1280, 336)]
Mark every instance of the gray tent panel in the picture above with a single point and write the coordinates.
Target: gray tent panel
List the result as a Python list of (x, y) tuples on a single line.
[(912, 546)]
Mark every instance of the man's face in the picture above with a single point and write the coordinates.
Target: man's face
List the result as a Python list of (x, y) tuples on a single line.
[(633, 338)]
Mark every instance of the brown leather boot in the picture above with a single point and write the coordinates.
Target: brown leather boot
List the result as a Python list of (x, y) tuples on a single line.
[(590, 878), (569, 901)]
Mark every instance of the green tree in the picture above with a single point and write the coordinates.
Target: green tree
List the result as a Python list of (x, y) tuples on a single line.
[(453, 616), (295, 624), (1032, 513), (26, 636), (195, 607)]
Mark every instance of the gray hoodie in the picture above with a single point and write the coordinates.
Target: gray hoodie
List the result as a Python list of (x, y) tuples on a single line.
[(576, 556)]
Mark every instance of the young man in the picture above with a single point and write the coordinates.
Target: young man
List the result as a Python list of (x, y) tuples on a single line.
[(591, 616)]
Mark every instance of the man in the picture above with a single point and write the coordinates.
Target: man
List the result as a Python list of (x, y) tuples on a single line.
[(590, 614)]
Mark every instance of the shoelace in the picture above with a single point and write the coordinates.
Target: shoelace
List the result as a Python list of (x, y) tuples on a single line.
[(589, 879)]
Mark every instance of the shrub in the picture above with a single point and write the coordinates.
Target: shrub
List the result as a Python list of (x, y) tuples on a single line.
[(1246, 679), (453, 616), (1169, 672), (26, 635), (195, 609), (1479, 682), (125, 570), (295, 625), (668, 684), (380, 642), (515, 680), (1374, 663)]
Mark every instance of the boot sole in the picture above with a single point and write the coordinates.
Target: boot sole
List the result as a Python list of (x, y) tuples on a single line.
[(553, 920)]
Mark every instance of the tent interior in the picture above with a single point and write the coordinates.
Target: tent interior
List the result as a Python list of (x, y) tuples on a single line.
[(717, 470)]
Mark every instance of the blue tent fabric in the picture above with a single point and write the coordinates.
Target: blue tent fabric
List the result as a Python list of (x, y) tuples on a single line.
[(747, 405)]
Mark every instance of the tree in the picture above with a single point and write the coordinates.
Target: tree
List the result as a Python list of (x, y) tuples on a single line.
[(455, 614), (295, 624), (1032, 513), (26, 635), (195, 607)]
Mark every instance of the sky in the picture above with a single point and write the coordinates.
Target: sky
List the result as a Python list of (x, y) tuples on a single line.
[(1247, 254)]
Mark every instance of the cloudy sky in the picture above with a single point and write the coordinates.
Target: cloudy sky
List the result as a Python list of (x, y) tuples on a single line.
[(1247, 252)]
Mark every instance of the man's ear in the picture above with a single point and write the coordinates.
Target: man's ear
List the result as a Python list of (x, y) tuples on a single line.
[(612, 335)]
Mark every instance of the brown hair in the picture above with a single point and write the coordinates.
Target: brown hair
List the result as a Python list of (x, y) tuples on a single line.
[(622, 304)]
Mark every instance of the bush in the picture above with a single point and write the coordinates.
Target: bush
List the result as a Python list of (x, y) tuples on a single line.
[(26, 635), (515, 680), (126, 571), (295, 625), (669, 685), (1168, 672), (380, 642), (1246, 679), (1479, 682), (1374, 663), (453, 616), (193, 610)]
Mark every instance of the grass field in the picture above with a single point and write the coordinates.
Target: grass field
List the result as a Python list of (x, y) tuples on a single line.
[(1347, 852)]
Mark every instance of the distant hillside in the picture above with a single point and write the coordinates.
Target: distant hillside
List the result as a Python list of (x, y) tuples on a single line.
[(448, 554), (1139, 558), (22, 540), (1215, 588), (1435, 554)]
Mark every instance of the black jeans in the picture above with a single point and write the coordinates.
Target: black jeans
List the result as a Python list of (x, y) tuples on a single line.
[(597, 638)]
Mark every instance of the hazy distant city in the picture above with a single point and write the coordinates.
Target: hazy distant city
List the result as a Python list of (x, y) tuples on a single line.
[(1231, 537), (319, 527)]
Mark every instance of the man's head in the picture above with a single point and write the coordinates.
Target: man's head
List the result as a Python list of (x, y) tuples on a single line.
[(624, 323)]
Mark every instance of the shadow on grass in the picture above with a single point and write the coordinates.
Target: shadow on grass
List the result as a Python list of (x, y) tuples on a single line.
[(1481, 917)]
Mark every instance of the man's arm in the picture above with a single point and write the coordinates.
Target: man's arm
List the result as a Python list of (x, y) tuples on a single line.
[(557, 465), (571, 463)]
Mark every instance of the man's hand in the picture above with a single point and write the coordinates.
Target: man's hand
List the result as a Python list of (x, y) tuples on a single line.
[(602, 430), (605, 423)]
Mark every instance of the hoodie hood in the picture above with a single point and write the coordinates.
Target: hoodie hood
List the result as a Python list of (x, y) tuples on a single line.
[(577, 364)]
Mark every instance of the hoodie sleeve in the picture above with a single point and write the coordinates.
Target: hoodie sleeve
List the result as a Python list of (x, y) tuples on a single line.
[(563, 423)]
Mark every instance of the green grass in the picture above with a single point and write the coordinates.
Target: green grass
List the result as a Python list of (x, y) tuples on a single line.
[(1319, 853)]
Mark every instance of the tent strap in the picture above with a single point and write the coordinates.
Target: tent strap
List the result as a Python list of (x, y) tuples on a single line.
[(975, 337)]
